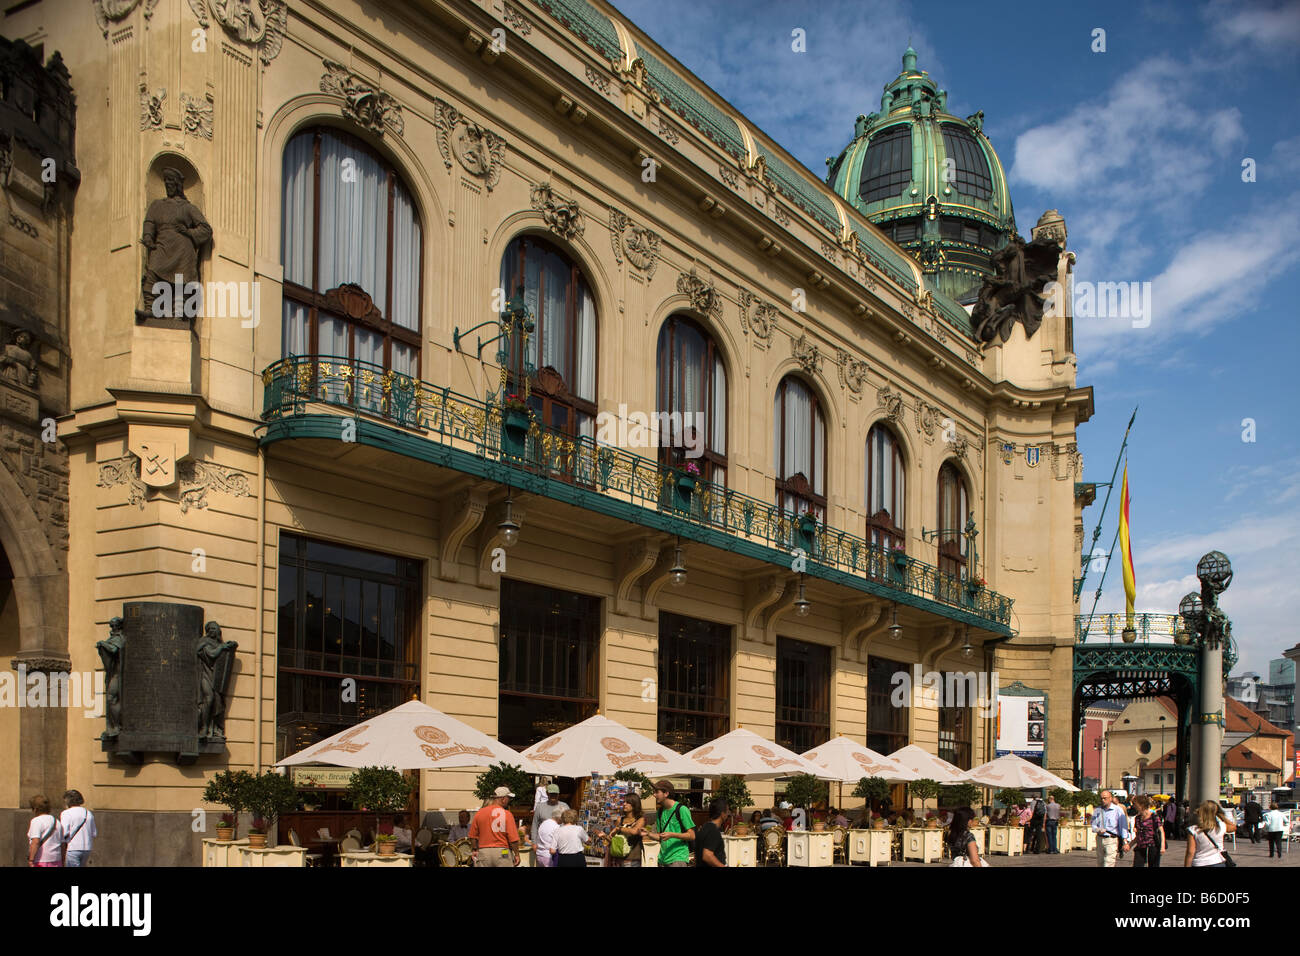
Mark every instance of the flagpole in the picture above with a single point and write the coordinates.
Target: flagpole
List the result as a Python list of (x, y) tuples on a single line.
[(1086, 559)]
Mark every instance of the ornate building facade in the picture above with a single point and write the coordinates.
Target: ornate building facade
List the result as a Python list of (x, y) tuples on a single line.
[(451, 256)]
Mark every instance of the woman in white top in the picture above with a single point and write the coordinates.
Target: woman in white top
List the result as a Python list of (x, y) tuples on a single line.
[(569, 841), (1205, 836), (79, 832), (44, 838), (544, 841)]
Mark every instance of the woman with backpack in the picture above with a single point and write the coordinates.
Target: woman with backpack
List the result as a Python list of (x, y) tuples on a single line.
[(1205, 836), (44, 838), (625, 835)]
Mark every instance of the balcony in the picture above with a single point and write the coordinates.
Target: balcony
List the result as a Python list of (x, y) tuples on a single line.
[(308, 396)]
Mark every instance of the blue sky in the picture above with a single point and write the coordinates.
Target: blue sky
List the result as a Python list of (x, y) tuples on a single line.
[(1141, 149)]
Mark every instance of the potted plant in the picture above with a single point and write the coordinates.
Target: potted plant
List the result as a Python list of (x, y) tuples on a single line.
[(516, 419), (805, 790), (899, 556), (807, 523), (961, 795), (380, 790), (228, 789), (505, 775), (689, 475), (975, 585), (1010, 797), (924, 789), (268, 796), (732, 789), (874, 789)]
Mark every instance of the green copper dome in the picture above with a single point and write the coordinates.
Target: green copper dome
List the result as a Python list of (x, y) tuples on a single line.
[(930, 181)]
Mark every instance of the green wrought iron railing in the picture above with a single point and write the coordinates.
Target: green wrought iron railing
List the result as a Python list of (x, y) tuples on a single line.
[(1103, 629), (490, 431)]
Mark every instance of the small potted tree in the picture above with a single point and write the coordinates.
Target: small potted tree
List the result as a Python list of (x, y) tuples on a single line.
[(505, 775), (961, 795), (228, 789), (805, 790), (269, 795), (732, 789), (644, 784), (380, 790), (924, 789), (874, 790)]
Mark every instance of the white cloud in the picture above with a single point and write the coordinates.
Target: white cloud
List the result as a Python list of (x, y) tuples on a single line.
[(1272, 25)]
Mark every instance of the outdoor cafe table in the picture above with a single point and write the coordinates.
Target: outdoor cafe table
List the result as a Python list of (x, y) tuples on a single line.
[(742, 851), (871, 847), (365, 858), (922, 843), (1007, 839)]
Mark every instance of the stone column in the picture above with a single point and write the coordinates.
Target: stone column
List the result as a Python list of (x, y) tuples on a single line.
[(1210, 732)]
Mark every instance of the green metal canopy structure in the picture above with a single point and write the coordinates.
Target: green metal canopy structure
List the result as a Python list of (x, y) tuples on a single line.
[(930, 180)]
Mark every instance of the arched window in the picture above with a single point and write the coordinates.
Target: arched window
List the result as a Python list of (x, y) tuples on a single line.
[(562, 346), (953, 508), (885, 489), (799, 449), (347, 220), (692, 392)]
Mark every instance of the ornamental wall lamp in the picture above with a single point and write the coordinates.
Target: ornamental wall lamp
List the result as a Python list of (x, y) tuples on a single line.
[(801, 603), (895, 629), (677, 574), (508, 527)]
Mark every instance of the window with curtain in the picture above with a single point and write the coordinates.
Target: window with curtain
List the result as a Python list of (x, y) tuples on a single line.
[(692, 383), (694, 681), (953, 508), (955, 732), (885, 489), (562, 346), (886, 723), (347, 219), (799, 449), (803, 694)]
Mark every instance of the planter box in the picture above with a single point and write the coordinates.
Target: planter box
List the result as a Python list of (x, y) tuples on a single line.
[(871, 847), (278, 856), (923, 843), (649, 853), (220, 853), (742, 851), (805, 848), (374, 859), (514, 432), (1008, 840)]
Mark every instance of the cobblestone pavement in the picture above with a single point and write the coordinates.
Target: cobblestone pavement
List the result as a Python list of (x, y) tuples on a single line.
[(1244, 853)]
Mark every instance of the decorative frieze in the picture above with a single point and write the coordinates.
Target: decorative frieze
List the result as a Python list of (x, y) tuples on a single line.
[(667, 129), (562, 216), (928, 418), (638, 243), (256, 23), (597, 79), (480, 152), (197, 119), (516, 20), (729, 176), (196, 480), (703, 296), (362, 103)]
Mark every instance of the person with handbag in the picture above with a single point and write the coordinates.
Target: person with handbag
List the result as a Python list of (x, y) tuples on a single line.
[(1149, 836), (1205, 837), (79, 830), (44, 837), (625, 836), (962, 845)]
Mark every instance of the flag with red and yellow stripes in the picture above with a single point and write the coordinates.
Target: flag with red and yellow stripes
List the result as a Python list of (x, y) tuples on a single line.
[(1126, 550)]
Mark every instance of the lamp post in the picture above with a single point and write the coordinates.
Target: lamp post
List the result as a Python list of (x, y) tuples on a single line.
[(1210, 628), (1160, 788)]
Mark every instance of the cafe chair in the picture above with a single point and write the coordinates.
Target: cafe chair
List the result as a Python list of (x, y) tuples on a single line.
[(447, 854), (464, 853), (324, 833), (423, 838), (293, 837), (350, 844), (774, 845), (839, 845), (354, 833)]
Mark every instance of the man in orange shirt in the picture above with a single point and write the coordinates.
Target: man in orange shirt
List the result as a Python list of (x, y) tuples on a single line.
[(493, 834)]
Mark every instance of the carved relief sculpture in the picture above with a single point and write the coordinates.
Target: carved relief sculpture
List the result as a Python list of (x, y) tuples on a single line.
[(198, 115), (762, 321), (258, 23), (17, 364), (151, 114), (892, 403), (853, 371), (216, 659), (479, 151), (175, 233), (806, 354), (704, 298), (362, 103), (111, 651), (562, 216), (639, 244)]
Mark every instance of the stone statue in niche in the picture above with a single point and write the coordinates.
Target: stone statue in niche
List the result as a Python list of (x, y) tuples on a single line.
[(216, 658), (17, 363), (110, 652), (175, 233)]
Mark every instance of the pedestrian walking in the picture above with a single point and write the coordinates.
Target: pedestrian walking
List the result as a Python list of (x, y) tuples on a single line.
[(1037, 818), (1110, 823), (629, 829), (44, 838), (79, 832), (1149, 835), (570, 841), (710, 848), (674, 826), (1171, 819), (1205, 836), (962, 845), (1254, 815), (1053, 824), (1274, 827), (493, 833)]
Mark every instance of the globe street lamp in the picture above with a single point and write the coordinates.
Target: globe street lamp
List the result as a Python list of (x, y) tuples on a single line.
[(1209, 628)]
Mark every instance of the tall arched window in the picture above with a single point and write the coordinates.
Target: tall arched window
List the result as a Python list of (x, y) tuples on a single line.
[(886, 487), (799, 449), (562, 346), (347, 220), (692, 390), (953, 508)]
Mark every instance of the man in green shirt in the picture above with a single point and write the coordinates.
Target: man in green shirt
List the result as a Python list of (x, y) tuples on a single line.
[(675, 826)]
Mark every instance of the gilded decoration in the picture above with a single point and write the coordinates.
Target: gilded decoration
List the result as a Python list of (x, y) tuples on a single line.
[(806, 354), (479, 151), (853, 371), (198, 115), (151, 107), (761, 320), (639, 244), (562, 216), (635, 75), (257, 23), (704, 297), (363, 103)]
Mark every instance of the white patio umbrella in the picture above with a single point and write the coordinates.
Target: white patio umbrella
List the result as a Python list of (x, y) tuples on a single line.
[(743, 753), (599, 745), (850, 762), (927, 766), (411, 736), (1016, 772)]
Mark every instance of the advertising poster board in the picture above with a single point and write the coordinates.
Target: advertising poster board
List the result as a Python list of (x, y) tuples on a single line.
[(1021, 726)]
